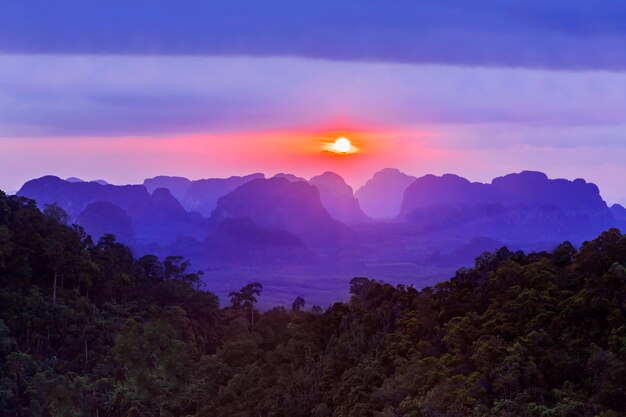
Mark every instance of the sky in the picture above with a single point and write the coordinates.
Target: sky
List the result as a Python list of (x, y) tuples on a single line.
[(127, 90)]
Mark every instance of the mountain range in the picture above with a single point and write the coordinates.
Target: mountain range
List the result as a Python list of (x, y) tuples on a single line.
[(155, 217), (311, 232), (524, 206), (200, 195)]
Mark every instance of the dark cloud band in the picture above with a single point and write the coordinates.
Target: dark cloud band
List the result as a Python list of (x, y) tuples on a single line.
[(555, 34)]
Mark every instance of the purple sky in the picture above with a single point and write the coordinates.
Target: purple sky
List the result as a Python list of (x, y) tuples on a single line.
[(125, 90)]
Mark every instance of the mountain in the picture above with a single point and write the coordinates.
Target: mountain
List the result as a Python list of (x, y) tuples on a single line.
[(381, 196), (301, 225), (102, 218), (278, 203), (338, 199), (178, 186), (535, 189), (619, 213), (156, 217), (448, 189), (290, 177), (526, 205), (202, 195), (199, 195), (527, 188), (76, 179), (167, 214)]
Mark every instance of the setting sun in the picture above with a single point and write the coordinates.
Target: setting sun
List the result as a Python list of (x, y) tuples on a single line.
[(342, 145), (342, 142)]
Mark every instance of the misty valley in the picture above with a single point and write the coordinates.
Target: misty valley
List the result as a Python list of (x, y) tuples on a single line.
[(310, 237)]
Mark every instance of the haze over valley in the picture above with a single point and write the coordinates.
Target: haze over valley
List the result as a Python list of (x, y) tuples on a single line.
[(309, 237)]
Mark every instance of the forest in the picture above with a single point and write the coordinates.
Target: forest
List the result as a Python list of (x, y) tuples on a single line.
[(87, 329)]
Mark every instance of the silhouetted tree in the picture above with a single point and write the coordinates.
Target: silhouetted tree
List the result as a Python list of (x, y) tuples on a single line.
[(297, 304), (245, 298), (56, 213)]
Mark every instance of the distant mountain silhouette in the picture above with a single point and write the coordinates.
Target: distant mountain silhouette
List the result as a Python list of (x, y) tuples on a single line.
[(203, 194), (178, 186), (284, 230), (156, 217), (338, 199), (166, 210), (102, 217), (527, 205), (381, 196), (290, 177), (199, 195), (619, 213), (534, 189), (278, 203), (76, 179), (449, 189)]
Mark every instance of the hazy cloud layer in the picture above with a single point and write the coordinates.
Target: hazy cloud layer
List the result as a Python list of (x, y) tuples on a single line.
[(565, 34), (43, 95)]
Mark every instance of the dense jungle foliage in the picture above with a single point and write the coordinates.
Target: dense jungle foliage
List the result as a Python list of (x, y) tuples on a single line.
[(88, 330)]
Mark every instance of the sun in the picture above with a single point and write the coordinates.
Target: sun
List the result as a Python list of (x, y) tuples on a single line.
[(342, 145), (339, 145)]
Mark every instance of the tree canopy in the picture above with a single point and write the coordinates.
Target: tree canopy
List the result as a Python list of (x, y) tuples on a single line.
[(88, 329)]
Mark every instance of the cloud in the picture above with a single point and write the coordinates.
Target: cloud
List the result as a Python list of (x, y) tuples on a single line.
[(50, 95), (557, 34)]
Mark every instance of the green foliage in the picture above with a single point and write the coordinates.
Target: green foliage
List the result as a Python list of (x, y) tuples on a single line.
[(87, 329)]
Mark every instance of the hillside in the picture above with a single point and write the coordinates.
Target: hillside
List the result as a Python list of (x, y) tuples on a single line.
[(87, 329)]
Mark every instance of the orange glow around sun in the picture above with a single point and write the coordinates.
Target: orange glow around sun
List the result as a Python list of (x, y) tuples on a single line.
[(304, 152)]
